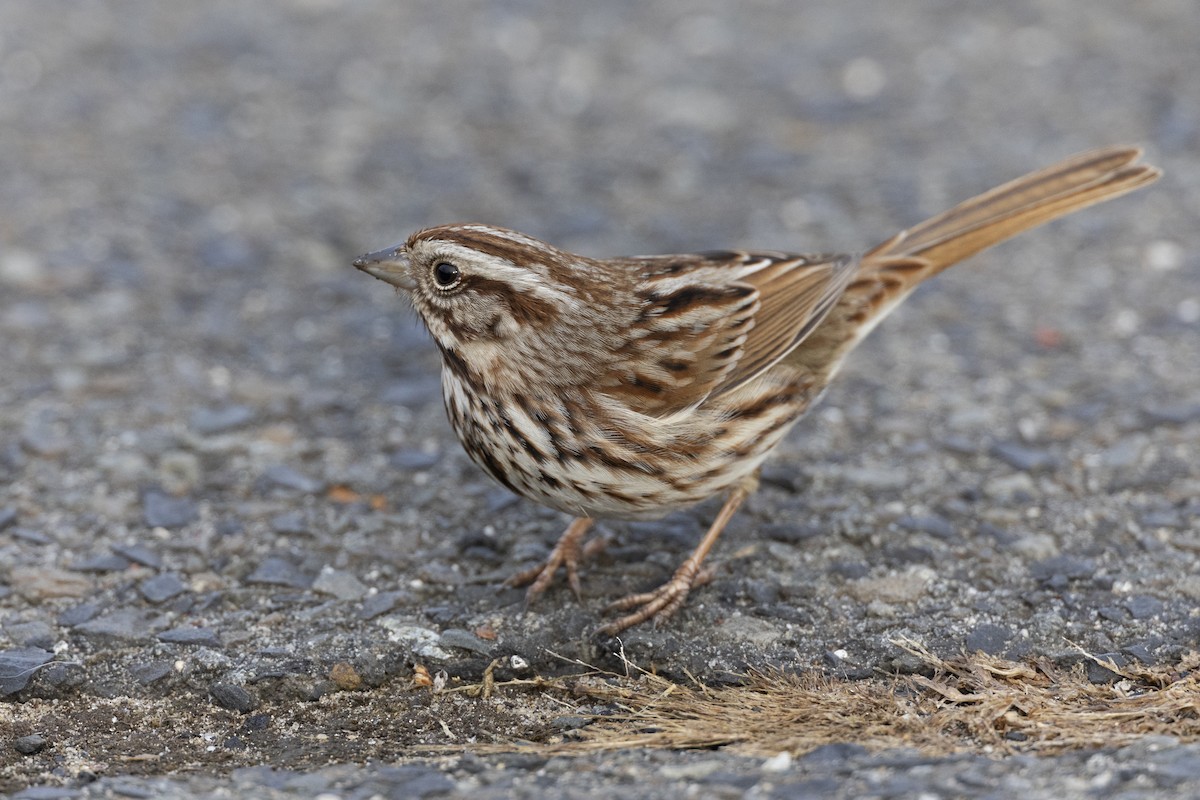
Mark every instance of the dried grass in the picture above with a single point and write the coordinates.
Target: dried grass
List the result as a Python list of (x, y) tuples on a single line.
[(975, 703)]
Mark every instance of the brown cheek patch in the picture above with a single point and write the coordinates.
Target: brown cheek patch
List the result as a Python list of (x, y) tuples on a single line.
[(525, 310)]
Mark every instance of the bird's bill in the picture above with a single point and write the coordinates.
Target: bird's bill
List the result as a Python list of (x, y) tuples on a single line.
[(390, 265)]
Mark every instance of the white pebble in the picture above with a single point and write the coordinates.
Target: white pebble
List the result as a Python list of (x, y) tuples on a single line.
[(863, 78), (1163, 255), (780, 762), (1189, 310)]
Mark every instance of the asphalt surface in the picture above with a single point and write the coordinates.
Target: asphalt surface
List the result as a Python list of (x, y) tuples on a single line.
[(224, 469)]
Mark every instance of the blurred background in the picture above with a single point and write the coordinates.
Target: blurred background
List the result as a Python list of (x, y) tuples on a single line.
[(196, 388), (184, 185)]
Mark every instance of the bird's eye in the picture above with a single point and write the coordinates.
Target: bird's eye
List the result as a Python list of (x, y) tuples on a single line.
[(446, 274)]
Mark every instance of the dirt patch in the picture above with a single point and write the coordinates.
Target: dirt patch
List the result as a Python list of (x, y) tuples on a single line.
[(974, 703)]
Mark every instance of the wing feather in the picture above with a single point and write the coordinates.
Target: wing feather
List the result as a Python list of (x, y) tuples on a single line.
[(711, 321)]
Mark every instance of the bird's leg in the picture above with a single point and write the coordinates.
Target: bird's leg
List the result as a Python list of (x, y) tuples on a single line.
[(664, 601), (565, 554)]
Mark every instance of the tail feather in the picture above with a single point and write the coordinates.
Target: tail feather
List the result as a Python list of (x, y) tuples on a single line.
[(889, 272), (990, 218)]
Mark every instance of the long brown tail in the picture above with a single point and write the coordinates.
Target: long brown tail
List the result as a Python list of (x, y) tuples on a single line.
[(1017, 206), (890, 271)]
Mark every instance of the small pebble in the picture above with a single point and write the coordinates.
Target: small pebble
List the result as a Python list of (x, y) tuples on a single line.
[(988, 638), (17, 667), (161, 510), (1143, 606), (179, 472), (121, 626), (209, 421), (291, 523), (381, 603), (1178, 414), (935, 526), (109, 562), (413, 459), (339, 583), (1064, 566), (1024, 458), (346, 677), (139, 554), (31, 634), (792, 533), (424, 642), (287, 478), (30, 535), (232, 697), (1097, 673), (465, 640), (205, 637), (29, 745), (276, 571), (148, 673)]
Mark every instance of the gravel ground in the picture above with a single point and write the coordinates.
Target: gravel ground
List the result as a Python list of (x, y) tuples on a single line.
[(233, 520)]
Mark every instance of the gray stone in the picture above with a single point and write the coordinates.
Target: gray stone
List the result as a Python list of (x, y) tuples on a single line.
[(209, 421), (42, 440), (465, 640), (291, 523), (791, 533), (161, 510), (1178, 414), (108, 562), (277, 571), (31, 634), (139, 554), (1161, 518), (18, 666), (1066, 567), (1142, 606), (414, 459), (989, 638), (205, 637), (29, 745), (148, 673), (77, 615), (47, 793), (232, 697), (1097, 673), (121, 625), (417, 781), (938, 527), (339, 583), (416, 391), (30, 535), (874, 478), (8, 516), (1023, 458), (381, 603), (286, 477)]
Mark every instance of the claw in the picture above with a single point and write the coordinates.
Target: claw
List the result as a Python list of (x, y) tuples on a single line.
[(565, 554), (660, 604)]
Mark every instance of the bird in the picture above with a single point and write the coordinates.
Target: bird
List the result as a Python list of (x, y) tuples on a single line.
[(629, 387)]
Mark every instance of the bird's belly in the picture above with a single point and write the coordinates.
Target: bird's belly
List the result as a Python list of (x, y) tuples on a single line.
[(587, 488), (586, 469)]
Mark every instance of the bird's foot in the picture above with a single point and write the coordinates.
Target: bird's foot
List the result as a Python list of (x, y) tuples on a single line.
[(660, 604), (567, 553)]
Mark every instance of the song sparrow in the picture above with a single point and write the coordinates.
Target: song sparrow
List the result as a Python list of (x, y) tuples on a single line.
[(629, 387)]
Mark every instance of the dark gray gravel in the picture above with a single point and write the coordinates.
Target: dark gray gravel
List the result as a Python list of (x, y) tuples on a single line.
[(225, 477)]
